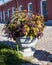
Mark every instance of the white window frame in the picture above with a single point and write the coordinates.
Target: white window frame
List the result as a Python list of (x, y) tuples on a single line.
[(4, 15), (29, 11), (30, 3), (20, 7), (41, 6)]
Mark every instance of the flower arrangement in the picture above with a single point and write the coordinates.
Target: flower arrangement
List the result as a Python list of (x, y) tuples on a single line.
[(21, 24)]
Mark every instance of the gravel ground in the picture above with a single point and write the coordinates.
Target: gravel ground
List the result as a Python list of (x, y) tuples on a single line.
[(43, 54)]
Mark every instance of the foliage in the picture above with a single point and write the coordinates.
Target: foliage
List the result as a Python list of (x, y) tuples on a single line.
[(10, 57), (23, 25)]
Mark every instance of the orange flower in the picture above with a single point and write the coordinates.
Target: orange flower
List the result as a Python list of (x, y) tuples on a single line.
[(25, 11), (33, 16)]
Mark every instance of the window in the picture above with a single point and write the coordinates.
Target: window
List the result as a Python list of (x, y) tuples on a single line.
[(6, 13), (30, 9), (44, 5), (20, 8), (4, 16), (13, 9), (30, 6)]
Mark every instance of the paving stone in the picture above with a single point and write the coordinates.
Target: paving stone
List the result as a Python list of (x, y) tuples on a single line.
[(36, 61), (43, 63), (49, 63)]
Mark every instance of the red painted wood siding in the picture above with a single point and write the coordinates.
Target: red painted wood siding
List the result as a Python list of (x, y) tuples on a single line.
[(49, 9), (9, 5), (36, 4)]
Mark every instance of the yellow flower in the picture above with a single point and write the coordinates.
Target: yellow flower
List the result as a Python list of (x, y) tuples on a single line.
[(13, 25), (39, 23), (27, 29), (38, 17), (31, 36), (26, 33), (26, 18), (35, 30), (33, 16), (22, 19)]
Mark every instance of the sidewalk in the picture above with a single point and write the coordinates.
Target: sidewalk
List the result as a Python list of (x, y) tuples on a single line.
[(49, 23), (43, 55)]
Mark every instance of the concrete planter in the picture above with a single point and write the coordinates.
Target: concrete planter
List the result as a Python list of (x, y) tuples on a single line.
[(27, 44)]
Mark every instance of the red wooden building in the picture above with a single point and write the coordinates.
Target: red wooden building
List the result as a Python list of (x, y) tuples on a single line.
[(39, 6)]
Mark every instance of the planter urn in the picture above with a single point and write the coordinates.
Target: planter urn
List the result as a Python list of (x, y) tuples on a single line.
[(26, 45)]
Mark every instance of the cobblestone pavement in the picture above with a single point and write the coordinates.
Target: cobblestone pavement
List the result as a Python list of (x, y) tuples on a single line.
[(43, 54), (3, 37)]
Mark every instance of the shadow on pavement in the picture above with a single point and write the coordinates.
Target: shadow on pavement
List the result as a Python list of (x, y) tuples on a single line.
[(8, 43), (48, 23), (2, 22), (29, 64), (43, 55)]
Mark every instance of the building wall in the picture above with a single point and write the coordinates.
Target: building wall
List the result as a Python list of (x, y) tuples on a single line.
[(8, 8), (4, 9), (49, 9), (35, 4)]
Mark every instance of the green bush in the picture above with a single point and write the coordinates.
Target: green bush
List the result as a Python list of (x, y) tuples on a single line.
[(9, 56)]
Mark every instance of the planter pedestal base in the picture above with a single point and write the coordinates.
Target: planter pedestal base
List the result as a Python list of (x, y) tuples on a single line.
[(28, 52)]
